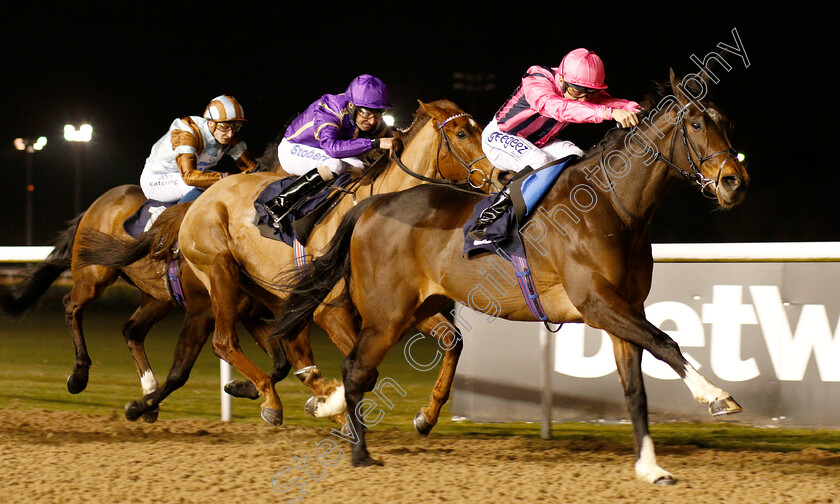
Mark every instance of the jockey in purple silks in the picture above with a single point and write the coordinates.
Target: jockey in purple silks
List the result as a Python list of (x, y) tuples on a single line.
[(327, 137)]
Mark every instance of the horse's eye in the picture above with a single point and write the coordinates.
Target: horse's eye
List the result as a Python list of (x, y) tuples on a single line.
[(461, 134), (695, 125)]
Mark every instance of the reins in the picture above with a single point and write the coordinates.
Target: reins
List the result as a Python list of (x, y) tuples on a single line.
[(695, 176), (467, 165)]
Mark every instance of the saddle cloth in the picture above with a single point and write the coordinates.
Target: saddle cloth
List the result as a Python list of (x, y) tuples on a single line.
[(315, 203)]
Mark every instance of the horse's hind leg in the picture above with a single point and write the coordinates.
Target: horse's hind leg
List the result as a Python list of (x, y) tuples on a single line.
[(445, 331), (628, 359), (150, 312), (224, 292), (88, 285)]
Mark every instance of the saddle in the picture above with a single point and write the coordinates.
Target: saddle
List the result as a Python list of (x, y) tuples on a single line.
[(298, 224), (141, 220)]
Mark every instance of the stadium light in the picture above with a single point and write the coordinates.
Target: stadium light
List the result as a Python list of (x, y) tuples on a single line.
[(82, 135), (30, 147)]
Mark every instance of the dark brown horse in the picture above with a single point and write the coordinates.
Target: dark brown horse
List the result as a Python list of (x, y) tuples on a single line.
[(223, 245), (591, 261)]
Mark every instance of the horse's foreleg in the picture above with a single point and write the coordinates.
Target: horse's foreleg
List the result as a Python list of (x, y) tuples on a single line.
[(628, 359), (191, 339), (603, 308), (88, 285), (451, 340), (261, 332), (224, 293), (150, 312)]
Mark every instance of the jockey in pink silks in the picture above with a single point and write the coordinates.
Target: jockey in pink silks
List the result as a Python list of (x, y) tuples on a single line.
[(524, 132)]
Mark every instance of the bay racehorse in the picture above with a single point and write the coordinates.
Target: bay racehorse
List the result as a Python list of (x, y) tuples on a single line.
[(106, 216), (591, 261), (222, 244)]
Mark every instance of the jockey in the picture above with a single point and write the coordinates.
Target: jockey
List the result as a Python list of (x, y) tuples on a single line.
[(176, 169), (327, 137), (524, 131)]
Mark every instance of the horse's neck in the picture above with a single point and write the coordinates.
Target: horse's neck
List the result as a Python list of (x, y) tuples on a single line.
[(642, 188), (419, 156)]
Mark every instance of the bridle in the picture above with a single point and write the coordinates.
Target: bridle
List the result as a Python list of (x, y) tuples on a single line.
[(462, 160), (695, 176)]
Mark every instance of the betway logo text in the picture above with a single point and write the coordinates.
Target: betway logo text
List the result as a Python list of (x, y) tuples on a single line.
[(790, 350)]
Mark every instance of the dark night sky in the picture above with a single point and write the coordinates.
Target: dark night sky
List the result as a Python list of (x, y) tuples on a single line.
[(129, 75)]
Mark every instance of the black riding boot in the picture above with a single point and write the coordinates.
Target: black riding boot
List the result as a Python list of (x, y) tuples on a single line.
[(491, 214), (306, 185)]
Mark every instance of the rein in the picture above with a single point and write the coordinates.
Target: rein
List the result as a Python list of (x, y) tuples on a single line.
[(466, 164), (695, 176)]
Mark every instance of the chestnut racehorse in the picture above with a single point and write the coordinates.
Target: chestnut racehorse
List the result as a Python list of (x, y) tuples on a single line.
[(402, 255), (222, 244)]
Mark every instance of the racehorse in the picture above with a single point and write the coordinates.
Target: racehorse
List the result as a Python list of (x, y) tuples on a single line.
[(590, 261), (106, 215), (222, 244)]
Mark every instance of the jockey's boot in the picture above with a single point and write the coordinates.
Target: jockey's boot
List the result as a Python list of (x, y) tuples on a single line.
[(306, 185), (491, 214)]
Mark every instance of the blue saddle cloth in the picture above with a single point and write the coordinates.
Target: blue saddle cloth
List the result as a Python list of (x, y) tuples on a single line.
[(287, 233), (503, 236), (139, 221)]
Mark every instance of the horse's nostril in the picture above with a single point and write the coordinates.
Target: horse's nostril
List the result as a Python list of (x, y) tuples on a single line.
[(731, 182)]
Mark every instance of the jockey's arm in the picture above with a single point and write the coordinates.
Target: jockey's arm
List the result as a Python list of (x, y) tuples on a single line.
[(246, 163), (193, 176)]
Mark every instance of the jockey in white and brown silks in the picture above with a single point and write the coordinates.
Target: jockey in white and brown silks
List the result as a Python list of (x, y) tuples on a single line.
[(524, 132), (327, 137), (177, 167)]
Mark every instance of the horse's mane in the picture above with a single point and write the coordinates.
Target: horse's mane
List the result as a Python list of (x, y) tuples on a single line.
[(616, 135)]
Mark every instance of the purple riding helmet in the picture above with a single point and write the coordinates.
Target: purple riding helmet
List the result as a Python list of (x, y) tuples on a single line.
[(369, 92)]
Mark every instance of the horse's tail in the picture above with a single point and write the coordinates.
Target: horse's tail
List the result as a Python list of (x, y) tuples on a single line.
[(16, 300), (319, 277), (159, 242)]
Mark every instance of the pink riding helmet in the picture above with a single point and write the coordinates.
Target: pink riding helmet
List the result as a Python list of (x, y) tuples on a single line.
[(582, 67)]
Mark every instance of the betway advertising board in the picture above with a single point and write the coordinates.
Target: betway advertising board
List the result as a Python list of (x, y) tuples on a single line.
[(766, 332)]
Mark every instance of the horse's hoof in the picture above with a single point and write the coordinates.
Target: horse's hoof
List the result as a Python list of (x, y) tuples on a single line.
[(151, 416), (367, 462), (242, 389), (725, 406), (421, 424), (665, 481), (312, 404), (272, 416), (133, 410), (77, 381)]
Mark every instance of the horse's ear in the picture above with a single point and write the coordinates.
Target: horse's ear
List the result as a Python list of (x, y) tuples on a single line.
[(432, 111), (675, 88)]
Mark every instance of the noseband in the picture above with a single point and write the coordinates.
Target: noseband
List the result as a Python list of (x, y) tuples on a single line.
[(696, 177), (466, 164)]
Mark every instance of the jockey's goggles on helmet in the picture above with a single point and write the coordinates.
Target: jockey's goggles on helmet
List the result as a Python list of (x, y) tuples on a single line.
[(366, 113), (229, 126), (579, 91)]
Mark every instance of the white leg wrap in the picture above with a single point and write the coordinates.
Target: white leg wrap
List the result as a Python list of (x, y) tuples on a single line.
[(333, 405), (148, 382), (702, 389), (647, 469)]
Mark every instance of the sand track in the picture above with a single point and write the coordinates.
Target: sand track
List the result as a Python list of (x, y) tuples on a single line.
[(71, 458)]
